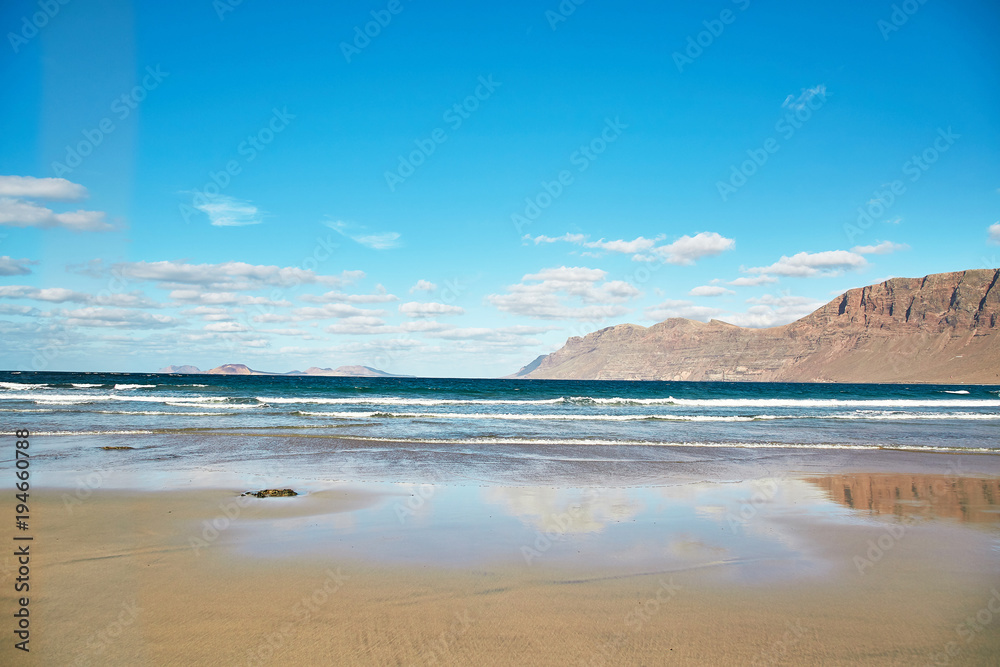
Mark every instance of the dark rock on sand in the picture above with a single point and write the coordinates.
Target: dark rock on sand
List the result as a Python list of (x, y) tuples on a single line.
[(270, 493)]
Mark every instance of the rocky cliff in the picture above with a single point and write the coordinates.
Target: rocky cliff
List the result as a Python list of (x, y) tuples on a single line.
[(941, 328), (925, 496)]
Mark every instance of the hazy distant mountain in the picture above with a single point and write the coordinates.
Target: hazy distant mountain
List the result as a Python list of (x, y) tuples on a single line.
[(181, 369), (942, 328), (342, 371)]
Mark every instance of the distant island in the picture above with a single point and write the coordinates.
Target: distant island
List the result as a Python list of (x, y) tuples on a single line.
[(241, 369), (943, 328)]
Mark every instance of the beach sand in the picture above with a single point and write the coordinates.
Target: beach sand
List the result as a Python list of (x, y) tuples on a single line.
[(363, 574)]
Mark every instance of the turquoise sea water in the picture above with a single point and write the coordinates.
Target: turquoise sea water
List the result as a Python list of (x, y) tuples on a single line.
[(461, 410), (389, 428)]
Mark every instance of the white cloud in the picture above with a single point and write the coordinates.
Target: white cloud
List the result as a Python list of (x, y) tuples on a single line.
[(376, 241), (568, 238), (994, 233), (686, 309), (63, 295), (14, 267), (710, 290), (797, 103), (226, 211), (817, 264), (773, 311), (52, 294), (361, 326), (41, 188), (423, 286), (10, 309), (228, 275), (688, 249), (632, 247), (501, 336), (762, 279), (289, 332), (423, 326), (380, 296), (192, 296), (212, 313), (21, 213), (685, 250), (331, 311), (883, 248), (543, 295), (117, 318), (225, 327), (416, 309)]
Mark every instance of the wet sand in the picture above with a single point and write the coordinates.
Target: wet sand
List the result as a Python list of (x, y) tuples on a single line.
[(777, 570)]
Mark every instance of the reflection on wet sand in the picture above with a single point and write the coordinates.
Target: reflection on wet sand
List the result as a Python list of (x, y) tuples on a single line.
[(967, 499), (566, 510)]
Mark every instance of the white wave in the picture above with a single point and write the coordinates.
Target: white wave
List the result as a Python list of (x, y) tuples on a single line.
[(647, 443), (397, 400), (85, 386), (20, 386), (214, 406), (533, 417), (134, 386), (173, 399), (794, 402), (163, 413), (37, 433), (871, 415), (960, 391)]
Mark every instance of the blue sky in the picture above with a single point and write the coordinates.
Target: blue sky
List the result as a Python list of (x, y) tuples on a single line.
[(465, 186)]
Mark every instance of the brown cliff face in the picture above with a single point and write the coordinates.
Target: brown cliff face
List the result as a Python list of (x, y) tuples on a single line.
[(942, 328), (965, 499)]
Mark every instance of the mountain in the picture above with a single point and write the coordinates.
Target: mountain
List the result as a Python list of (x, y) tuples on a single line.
[(941, 328), (353, 371), (342, 371), (187, 370)]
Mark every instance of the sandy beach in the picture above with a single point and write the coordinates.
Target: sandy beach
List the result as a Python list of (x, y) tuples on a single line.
[(792, 568)]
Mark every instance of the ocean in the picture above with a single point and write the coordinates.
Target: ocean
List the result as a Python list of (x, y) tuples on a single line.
[(391, 427)]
